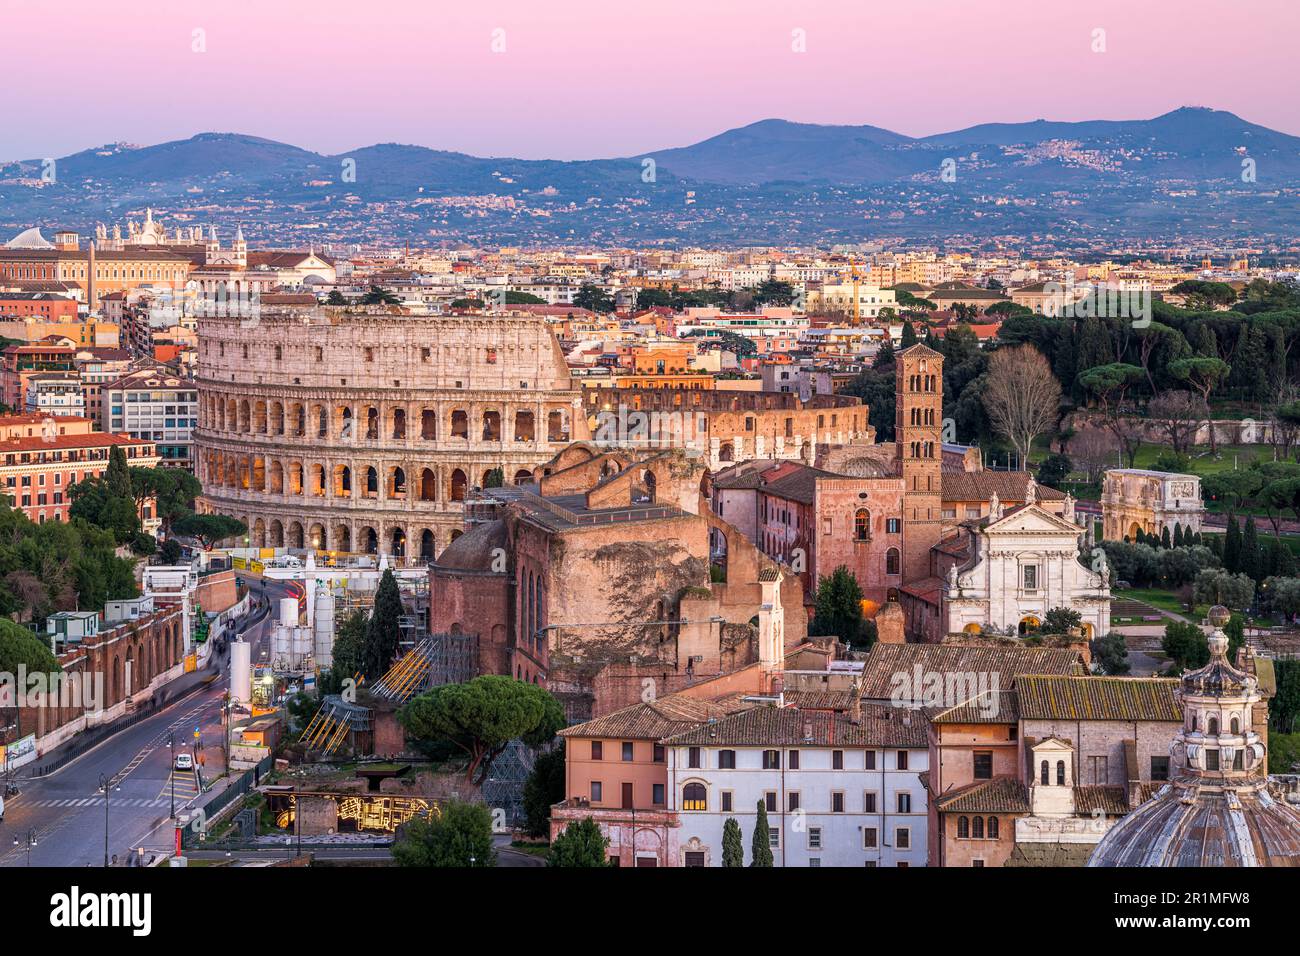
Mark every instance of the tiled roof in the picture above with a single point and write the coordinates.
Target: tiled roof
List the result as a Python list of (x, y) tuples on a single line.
[(981, 485), (990, 708), (819, 699), (1109, 800), (653, 720), (999, 795), (888, 665), (1098, 698), (880, 726)]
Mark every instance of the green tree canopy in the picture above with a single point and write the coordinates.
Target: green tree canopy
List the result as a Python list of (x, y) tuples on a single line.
[(457, 835), (580, 845), (482, 716)]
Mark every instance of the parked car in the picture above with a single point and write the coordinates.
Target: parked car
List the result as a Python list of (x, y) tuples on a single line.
[(184, 762)]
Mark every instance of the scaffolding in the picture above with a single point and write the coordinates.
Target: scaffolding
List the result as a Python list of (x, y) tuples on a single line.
[(436, 660), (333, 723)]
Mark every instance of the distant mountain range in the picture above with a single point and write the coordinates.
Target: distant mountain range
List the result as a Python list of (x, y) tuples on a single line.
[(1190, 174)]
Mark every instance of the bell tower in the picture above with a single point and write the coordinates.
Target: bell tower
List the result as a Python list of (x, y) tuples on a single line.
[(919, 454)]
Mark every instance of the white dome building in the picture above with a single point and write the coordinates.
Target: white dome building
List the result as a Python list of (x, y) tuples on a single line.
[(29, 239), (1218, 809)]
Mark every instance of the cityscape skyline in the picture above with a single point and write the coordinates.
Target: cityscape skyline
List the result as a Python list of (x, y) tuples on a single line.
[(221, 65)]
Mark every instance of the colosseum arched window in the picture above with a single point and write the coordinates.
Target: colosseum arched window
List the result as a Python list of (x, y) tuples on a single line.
[(372, 423), (277, 478), (259, 474), (427, 549), (369, 540), (557, 428), (428, 485), (428, 424), (317, 484), (317, 538), (342, 481), (277, 534), (396, 482), (523, 426), (322, 418), (259, 418), (244, 417), (344, 414), (458, 483), (295, 539), (277, 418), (459, 424), (491, 426), (399, 423), (523, 476), (397, 541), (372, 483), (342, 538), (295, 480)]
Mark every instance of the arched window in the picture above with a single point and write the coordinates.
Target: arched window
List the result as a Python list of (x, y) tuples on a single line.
[(993, 828), (977, 828), (1214, 726), (1044, 775), (963, 828), (892, 561), (1060, 773), (862, 524), (694, 797), (1236, 726), (458, 483)]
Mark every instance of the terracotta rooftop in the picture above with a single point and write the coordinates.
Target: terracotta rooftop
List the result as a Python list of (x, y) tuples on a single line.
[(981, 485), (887, 663), (1098, 698), (763, 726), (652, 720), (999, 795)]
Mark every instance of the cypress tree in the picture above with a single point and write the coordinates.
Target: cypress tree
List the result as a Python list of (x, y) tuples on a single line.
[(1232, 546), (383, 628), (761, 846), (1178, 535), (117, 478), (1165, 542), (909, 335), (1249, 559), (733, 849)]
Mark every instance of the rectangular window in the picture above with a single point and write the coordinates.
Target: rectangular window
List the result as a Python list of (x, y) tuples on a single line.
[(983, 765), (871, 760), (893, 525), (904, 803), (1159, 768), (837, 759), (903, 839), (657, 794), (769, 801), (1031, 577), (902, 760), (814, 838), (595, 791), (693, 758), (659, 753), (597, 750), (726, 760), (1211, 760), (628, 750), (837, 801), (869, 802), (726, 801), (771, 760), (792, 799), (869, 839), (774, 839), (794, 760)]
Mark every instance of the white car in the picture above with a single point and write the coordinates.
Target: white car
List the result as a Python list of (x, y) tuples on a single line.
[(184, 762)]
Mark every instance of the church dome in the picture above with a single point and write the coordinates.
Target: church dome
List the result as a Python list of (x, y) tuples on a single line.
[(1219, 809), (475, 550)]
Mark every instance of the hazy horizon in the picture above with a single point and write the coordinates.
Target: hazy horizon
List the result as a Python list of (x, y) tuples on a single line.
[(589, 80)]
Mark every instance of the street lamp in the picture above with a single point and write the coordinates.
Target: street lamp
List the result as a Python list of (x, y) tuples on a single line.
[(31, 842), (105, 784), (171, 743)]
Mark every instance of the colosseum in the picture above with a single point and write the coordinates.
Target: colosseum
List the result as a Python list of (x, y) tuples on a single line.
[(362, 431)]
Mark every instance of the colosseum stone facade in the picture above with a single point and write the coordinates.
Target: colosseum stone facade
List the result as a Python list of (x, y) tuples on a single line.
[(362, 431)]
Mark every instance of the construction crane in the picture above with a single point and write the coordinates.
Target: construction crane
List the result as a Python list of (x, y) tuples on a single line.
[(853, 274)]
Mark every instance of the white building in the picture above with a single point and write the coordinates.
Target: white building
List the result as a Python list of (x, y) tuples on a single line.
[(1138, 499), (838, 297), (839, 790), (1020, 564), (157, 405)]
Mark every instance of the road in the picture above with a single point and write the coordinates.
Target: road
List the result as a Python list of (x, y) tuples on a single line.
[(67, 809)]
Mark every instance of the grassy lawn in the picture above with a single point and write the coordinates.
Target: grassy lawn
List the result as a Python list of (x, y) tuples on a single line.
[(532, 849), (1164, 600), (1203, 463)]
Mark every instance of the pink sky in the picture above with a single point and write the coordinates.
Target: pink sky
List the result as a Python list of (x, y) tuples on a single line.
[(585, 78)]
